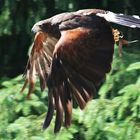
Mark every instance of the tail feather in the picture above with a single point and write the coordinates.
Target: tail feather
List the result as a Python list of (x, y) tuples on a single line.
[(121, 19)]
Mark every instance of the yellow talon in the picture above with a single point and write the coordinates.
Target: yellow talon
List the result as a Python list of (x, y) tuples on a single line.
[(116, 34)]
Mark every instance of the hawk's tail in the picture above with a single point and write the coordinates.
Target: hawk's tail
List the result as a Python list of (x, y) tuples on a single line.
[(121, 19)]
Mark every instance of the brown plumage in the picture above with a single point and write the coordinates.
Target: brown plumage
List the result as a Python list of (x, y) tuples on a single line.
[(71, 54)]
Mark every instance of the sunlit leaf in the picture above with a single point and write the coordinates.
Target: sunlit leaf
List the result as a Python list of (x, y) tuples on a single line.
[(134, 66)]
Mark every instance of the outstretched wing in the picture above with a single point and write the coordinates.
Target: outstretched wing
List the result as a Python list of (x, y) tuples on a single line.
[(132, 21), (81, 59), (39, 61), (121, 19)]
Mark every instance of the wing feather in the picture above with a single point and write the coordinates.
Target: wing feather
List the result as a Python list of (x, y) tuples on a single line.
[(67, 103), (39, 61), (71, 67), (77, 69), (59, 110), (51, 107)]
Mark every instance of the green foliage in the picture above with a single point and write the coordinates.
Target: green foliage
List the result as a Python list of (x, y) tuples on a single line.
[(121, 75), (114, 116), (134, 66), (14, 105)]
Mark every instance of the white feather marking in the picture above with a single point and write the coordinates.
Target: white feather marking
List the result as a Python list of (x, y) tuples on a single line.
[(134, 41), (136, 16), (109, 16), (88, 13), (133, 26)]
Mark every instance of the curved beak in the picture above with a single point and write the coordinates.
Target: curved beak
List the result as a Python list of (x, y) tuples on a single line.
[(37, 27)]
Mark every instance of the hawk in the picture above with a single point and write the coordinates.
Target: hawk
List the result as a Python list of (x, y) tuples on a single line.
[(71, 54)]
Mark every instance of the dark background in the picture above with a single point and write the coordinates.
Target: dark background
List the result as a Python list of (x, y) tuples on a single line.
[(18, 16)]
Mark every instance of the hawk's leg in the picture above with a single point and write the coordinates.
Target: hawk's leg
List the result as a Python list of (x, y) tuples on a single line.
[(120, 41), (118, 36)]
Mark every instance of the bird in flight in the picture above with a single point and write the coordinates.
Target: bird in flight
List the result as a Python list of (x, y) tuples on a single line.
[(71, 54)]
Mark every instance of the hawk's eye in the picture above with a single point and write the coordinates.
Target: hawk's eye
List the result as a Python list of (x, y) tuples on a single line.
[(41, 25), (45, 27)]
